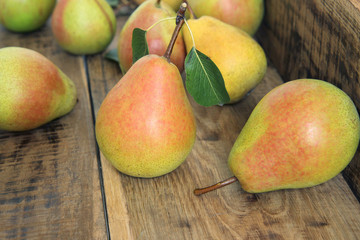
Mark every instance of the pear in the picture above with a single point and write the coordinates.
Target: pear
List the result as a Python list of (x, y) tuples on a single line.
[(25, 15), (157, 38), (83, 26), (240, 59), (244, 14), (33, 90), (301, 134), (174, 4), (145, 126)]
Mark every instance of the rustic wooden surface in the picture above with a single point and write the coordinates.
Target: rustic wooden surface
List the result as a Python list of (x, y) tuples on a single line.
[(49, 183), (54, 183), (317, 39)]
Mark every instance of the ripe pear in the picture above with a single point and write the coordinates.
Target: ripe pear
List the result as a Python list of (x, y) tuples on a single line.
[(174, 4), (301, 134), (244, 14), (83, 26), (157, 38), (145, 126), (25, 15), (33, 90), (240, 59)]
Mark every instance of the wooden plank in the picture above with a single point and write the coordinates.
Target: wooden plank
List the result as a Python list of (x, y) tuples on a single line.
[(166, 208), (317, 39), (49, 183), (103, 75)]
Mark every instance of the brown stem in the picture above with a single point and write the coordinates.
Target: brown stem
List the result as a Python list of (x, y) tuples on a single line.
[(192, 14), (179, 23), (228, 181)]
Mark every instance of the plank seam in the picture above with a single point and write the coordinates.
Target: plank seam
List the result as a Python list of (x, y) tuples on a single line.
[(101, 179)]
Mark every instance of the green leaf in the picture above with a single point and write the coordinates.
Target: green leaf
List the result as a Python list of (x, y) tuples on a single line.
[(112, 55), (204, 80), (113, 3), (139, 44)]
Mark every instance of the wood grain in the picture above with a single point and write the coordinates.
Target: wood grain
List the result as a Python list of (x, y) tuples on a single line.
[(317, 39), (166, 208), (103, 75), (49, 183)]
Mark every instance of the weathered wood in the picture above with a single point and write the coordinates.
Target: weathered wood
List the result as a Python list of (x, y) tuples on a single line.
[(103, 75), (317, 39), (49, 183), (166, 208)]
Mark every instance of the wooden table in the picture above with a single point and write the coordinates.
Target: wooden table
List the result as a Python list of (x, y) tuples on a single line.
[(55, 184)]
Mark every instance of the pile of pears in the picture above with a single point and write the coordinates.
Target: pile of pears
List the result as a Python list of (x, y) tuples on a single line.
[(301, 134)]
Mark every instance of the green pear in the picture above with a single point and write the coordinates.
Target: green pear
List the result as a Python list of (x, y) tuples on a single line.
[(83, 26), (157, 38), (25, 15), (301, 134), (244, 14), (33, 90), (145, 126), (240, 59)]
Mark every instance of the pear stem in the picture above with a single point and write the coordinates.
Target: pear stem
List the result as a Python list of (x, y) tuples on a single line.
[(179, 23), (221, 184), (192, 14)]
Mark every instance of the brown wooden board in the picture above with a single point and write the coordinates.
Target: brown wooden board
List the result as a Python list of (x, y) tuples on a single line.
[(49, 183), (317, 39)]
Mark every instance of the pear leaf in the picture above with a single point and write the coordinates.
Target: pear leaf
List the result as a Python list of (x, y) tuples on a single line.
[(113, 3), (112, 55), (204, 80), (139, 44)]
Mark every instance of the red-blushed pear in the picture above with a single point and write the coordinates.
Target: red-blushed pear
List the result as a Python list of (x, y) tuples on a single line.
[(157, 38), (145, 126), (83, 26), (244, 14), (301, 134), (33, 90), (25, 15)]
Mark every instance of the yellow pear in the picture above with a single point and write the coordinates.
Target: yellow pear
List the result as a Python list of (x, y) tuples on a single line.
[(240, 59), (174, 4), (301, 134), (145, 126), (33, 90)]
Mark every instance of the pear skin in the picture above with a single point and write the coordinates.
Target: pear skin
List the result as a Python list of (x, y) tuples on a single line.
[(240, 59), (25, 15), (174, 4), (301, 134), (145, 126), (83, 26), (244, 14), (33, 90), (158, 37)]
